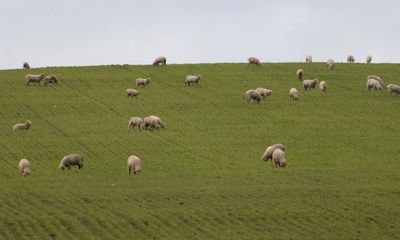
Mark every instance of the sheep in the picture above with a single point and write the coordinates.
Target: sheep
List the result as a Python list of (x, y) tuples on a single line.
[(263, 92), (322, 86), (160, 61), (25, 65), (308, 59), (368, 59), (300, 74), (376, 77), (268, 152), (50, 79), (192, 79), (134, 164), (393, 88), (152, 122), (330, 64), (279, 158), (135, 121), (34, 78), (293, 94), (24, 167), (253, 61), (350, 58), (252, 95), (130, 92), (308, 84), (71, 160), (22, 126), (142, 81), (374, 84)]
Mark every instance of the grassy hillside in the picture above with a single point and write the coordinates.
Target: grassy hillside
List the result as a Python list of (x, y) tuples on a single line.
[(203, 177)]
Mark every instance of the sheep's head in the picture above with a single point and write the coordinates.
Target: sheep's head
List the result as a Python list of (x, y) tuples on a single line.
[(26, 172), (148, 80), (28, 122), (61, 167), (42, 75)]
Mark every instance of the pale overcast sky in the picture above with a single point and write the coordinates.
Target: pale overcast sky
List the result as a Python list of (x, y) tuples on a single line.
[(98, 32)]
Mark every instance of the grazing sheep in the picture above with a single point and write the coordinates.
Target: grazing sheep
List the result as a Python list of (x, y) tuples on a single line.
[(134, 164), (308, 59), (252, 95), (263, 92), (71, 160), (50, 80), (152, 122), (374, 84), (268, 152), (279, 158), (330, 64), (24, 167), (253, 61), (300, 74), (26, 65), (322, 86), (376, 77), (293, 94), (192, 79), (350, 58), (160, 61), (393, 88), (130, 92), (135, 121), (308, 84), (142, 81), (34, 78), (23, 126), (369, 59)]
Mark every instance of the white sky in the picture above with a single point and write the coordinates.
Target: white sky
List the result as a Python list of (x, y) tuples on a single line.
[(97, 32)]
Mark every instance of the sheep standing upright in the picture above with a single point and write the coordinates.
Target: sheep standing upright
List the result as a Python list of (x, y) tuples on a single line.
[(142, 81), (373, 84), (279, 158), (368, 59), (270, 149), (330, 64), (322, 86), (293, 94), (35, 79), (350, 58), (134, 164), (252, 95), (253, 61), (300, 74), (192, 79), (22, 126), (160, 61), (308, 84), (135, 121), (393, 88), (263, 92), (24, 167), (376, 77), (25, 65), (130, 92), (152, 122), (50, 80), (71, 160), (308, 59)]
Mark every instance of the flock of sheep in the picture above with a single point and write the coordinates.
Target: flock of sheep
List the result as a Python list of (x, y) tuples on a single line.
[(274, 152)]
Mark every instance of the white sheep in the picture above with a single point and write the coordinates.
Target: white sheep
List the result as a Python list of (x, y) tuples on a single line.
[(350, 58), (35, 79), (71, 160), (253, 61), (322, 86), (308, 58), (25, 65), (263, 92), (376, 77), (330, 64), (152, 122), (160, 61), (293, 94), (268, 152), (134, 164), (300, 74), (308, 84), (22, 126), (135, 121), (192, 79), (374, 84), (252, 95), (142, 81), (50, 80), (368, 59), (130, 92), (279, 158), (24, 167), (393, 88)]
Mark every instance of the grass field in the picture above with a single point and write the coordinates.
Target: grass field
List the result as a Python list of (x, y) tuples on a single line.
[(202, 175)]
